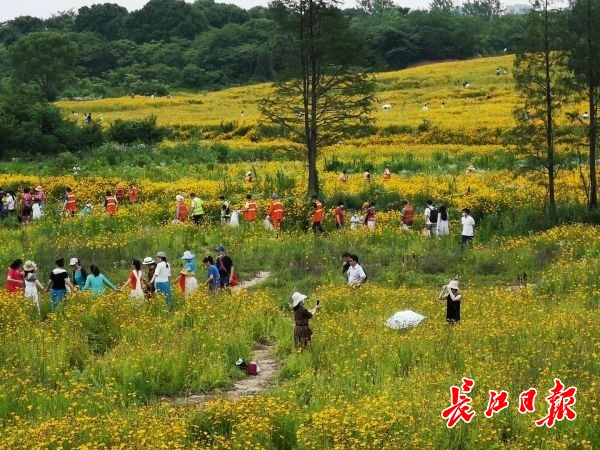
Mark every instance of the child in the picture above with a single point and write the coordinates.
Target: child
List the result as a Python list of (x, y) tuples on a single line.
[(355, 220), (36, 209)]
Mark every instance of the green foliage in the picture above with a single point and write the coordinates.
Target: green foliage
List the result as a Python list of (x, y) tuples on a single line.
[(130, 131)]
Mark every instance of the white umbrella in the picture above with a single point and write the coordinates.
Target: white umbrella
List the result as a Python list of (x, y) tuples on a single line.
[(404, 319)]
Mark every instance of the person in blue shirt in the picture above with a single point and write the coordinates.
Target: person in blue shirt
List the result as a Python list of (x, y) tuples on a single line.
[(187, 277), (214, 280), (96, 282)]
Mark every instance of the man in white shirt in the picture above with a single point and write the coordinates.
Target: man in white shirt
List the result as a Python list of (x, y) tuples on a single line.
[(356, 274), (468, 224)]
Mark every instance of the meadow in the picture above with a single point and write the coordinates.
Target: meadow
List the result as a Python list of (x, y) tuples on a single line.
[(100, 372)]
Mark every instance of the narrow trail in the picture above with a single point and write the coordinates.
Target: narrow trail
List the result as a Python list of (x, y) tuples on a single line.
[(263, 355)]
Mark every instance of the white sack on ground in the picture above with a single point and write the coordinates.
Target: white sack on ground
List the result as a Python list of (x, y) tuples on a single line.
[(404, 319)]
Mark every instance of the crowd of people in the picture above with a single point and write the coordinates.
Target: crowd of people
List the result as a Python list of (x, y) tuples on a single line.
[(22, 278)]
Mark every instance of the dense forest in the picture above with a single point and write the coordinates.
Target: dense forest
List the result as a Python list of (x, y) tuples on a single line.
[(172, 45)]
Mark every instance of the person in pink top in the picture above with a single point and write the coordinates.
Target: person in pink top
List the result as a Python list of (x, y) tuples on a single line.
[(14, 280)]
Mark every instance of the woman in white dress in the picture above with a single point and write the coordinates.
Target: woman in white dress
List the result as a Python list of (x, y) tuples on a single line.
[(443, 229), (187, 276), (32, 284)]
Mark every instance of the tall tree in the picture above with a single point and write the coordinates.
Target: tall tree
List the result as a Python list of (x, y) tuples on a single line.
[(375, 6), (46, 59), (487, 9), (445, 5), (585, 62), (107, 19), (542, 78), (326, 96)]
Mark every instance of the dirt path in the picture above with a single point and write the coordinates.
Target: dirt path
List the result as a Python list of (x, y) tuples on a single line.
[(263, 355)]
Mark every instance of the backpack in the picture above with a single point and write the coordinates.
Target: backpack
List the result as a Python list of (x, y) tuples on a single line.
[(433, 214)]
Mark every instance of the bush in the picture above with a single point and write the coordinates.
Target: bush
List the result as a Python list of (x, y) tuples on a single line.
[(146, 131)]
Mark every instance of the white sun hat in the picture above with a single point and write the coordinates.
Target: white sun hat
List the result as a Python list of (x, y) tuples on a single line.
[(298, 298), (148, 260), (179, 197), (29, 266), (188, 255), (73, 261), (453, 284)]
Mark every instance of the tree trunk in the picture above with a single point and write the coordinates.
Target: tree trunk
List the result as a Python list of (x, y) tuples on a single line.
[(593, 130), (549, 117)]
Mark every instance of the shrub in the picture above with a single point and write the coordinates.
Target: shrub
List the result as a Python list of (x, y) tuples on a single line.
[(146, 131)]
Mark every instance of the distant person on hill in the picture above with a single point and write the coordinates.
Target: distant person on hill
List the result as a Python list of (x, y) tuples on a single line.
[(370, 216), (79, 273), (431, 217), (387, 173), (451, 293), (340, 216), (276, 212), (302, 332), (443, 228), (70, 203), (135, 281), (181, 210), (471, 169), (197, 207), (317, 215), (344, 176), (408, 214), (425, 107), (132, 193), (443, 105), (356, 274), (497, 72), (96, 282), (110, 204), (468, 226), (585, 115)]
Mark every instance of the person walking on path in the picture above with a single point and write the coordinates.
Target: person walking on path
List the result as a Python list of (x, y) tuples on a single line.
[(181, 211), (149, 288), (213, 278), (249, 210), (340, 216), (226, 269), (110, 204), (317, 215), (59, 281), (468, 225), (225, 210), (14, 277), (70, 203), (161, 276), (187, 277), (443, 228), (408, 215), (370, 217), (431, 217), (302, 332), (32, 284), (135, 281), (276, 212), (356, 274), (197, 207), (451, 293), (79, 273), (95, 282)]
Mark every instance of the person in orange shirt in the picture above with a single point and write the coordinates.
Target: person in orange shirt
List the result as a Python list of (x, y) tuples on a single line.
[(317, 215), (110, 204), (120, 195), (249, 210), (132, 193), (340, 216), (276, 212), (387, 174), (70, 204), (181, 211)]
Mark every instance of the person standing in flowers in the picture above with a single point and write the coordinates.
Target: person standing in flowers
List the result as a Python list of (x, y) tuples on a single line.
[(225, 210), (370, 217), (132, 193), (468, 227), (161, 276), (367, 176), (14, 278), (41, 196), (197, 207), (79, 273), (451, 293), (355, 273), (181, 211), (302, 332), (187, 276), (340, 216), (59, 281), (135, 281), (275, 215), (344, 176), (213, 279), (317, 215), (355, 220), (32, 284), (431, 217), (249, 178), (95, 282), (120, 195), (110, 204), (387, 173), (26, 205), (70, 203), (249, 210), (149, 288), (408, 214), (443, 229), (226, 268)]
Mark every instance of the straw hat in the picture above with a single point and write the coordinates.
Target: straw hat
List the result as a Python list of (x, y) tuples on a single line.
[(38, 189), (298, 298), (188, 255), (148, 260), (248, 173), (29, 266), (453, 285), (179, 198)]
